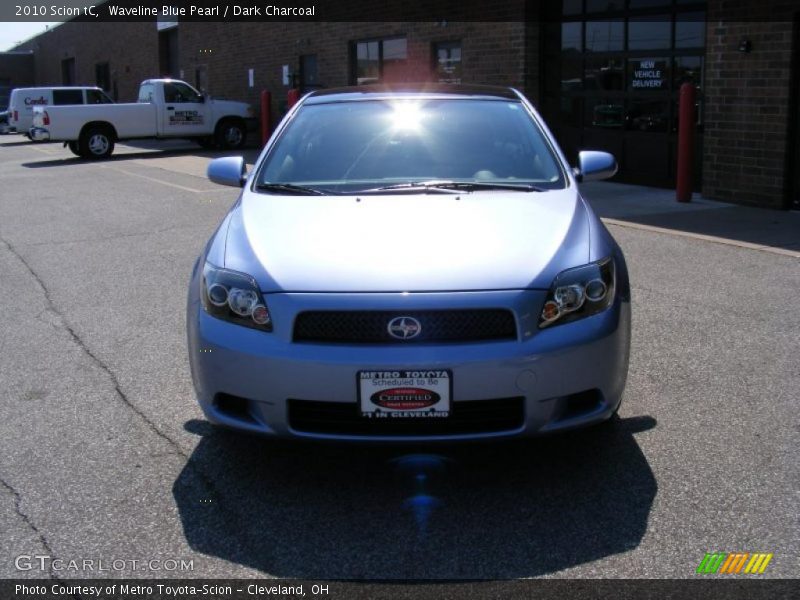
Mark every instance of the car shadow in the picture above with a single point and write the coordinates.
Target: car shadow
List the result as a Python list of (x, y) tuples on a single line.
[(25, 142), (500, 510)]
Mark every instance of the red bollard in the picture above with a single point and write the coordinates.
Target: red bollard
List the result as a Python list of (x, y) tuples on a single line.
[(683, 187), (266, 116), (292, 97)]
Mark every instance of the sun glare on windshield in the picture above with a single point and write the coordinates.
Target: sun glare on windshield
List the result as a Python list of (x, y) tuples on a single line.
[(406, 116)]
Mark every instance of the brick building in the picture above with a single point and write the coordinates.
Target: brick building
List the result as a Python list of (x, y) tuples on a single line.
[(605, 73), (16, 70)]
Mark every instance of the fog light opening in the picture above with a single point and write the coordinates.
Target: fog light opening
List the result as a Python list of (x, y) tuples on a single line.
[(234, 407), (582, 403)]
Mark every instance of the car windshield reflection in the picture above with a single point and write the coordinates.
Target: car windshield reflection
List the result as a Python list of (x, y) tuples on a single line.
[(378, 145)]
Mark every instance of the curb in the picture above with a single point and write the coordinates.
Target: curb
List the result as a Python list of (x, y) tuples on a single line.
[(705, 238)]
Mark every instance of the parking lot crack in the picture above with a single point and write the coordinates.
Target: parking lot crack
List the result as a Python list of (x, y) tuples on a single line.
[(53, 310), (210, 489), (28, 521)]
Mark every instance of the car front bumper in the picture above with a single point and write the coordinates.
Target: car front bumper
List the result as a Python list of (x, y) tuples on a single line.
[(563, 377)]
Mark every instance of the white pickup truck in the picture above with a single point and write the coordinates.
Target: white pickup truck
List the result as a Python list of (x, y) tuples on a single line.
[(167, 108)]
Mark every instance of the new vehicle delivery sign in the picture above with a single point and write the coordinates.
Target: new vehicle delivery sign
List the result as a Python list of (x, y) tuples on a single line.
[(648, 74)]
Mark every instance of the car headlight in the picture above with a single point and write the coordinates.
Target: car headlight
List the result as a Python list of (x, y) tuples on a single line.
[(579, 292), (234, 297)]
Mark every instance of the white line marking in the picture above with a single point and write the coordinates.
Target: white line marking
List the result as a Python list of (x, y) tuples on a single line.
[(161, 181), (42, 150)]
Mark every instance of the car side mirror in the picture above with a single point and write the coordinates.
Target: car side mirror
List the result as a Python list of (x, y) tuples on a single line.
[(594, 165), (229, 170), (201, 98)]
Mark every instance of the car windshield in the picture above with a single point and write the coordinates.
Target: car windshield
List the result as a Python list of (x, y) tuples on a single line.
[(357, 146)]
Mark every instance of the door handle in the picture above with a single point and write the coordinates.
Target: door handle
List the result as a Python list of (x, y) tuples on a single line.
[(170, 108)]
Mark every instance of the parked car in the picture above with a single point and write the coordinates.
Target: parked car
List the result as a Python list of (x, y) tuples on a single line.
[(410, 265), (167, 108), (23, 100)]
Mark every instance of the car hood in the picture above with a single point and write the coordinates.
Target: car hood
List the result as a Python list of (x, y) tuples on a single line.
[(486, 240)]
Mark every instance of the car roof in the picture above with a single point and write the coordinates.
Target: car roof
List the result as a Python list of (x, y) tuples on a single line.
[(386, 91), (55, 87)]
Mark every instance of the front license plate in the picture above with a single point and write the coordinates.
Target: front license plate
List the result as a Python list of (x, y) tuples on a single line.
[(404, 394)]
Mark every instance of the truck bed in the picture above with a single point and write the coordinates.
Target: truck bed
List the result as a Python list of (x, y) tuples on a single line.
[(131, 120)]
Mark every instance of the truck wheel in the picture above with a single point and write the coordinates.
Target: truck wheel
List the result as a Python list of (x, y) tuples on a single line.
[(74, 148), (231, 134), (95, 143)]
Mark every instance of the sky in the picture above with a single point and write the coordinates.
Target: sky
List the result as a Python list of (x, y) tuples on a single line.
[(11, 33)]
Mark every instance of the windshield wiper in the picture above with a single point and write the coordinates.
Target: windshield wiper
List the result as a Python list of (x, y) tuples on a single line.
[(289, 188), (485, 185), (411, 187), (447, 185)]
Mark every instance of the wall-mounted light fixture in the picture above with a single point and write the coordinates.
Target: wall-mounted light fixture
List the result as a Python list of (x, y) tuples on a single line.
[(745, 46)]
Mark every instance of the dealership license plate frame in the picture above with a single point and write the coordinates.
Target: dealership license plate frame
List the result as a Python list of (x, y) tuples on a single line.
[(443, 386)]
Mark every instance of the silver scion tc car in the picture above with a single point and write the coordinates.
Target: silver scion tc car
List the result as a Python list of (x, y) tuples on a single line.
[(410, 264)]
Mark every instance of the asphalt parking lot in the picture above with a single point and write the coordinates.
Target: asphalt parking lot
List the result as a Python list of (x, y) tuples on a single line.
[(104, 454)]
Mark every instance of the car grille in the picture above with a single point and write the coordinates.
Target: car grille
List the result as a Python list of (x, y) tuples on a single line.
[(371, 327), (344, 418)]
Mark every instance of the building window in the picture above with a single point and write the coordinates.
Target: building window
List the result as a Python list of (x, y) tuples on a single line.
[(688, 69), (102, 76), (604, 74), (605, 36), (309, 75), (379, 60), (690, 31), (648, 3), (649, 33), (201, 78), (68, 71), (5, 92), (615, 83), (168, 52), (447, 62), (571, 36), (604, 5), (614, 66)]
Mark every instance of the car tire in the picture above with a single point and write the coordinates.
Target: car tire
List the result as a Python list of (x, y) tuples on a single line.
[(74, 148), (231, 134), (96, 143)]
